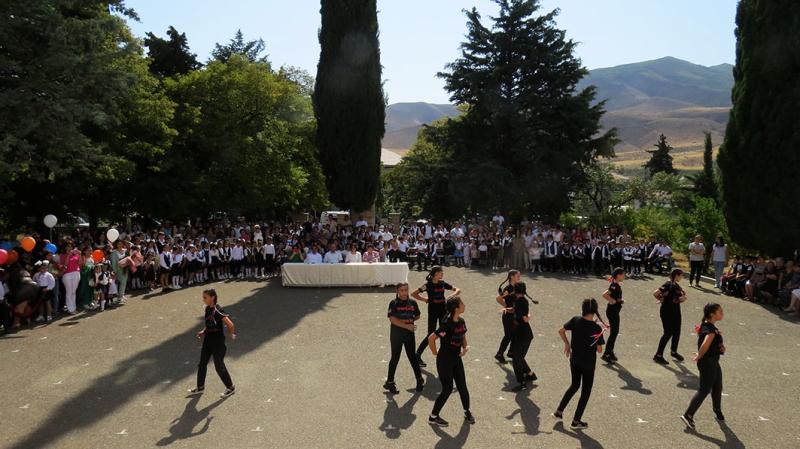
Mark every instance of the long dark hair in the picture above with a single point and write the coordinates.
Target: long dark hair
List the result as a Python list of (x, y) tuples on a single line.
[(212, 293), (434, 269), (451, 306), (617, 271), (675, 273), (397, 290), (710, 309), (589, 306), (511, 274)]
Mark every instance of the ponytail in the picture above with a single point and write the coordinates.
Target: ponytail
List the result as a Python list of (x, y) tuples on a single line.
[(450, 307), (434, 269), (708, 310), (589, 306), (510, 275)]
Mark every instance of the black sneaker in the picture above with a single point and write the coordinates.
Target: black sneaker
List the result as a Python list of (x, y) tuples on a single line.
[(391, 387), (607, 358), (676, 356), (719, 415), (468, 417), (437, 421), (196, 391), (510, 355), (420, 385), (578, 425), (688, 420), (500, 359), (557, 415), (531, 377), (228, 392), (422, 364), (520, 387), (613, 357), (660, 360)]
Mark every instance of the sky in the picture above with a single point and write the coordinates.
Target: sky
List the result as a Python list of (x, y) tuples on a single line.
[(418, 37)]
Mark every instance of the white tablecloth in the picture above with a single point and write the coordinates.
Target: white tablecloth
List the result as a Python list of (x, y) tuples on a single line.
[(343, 275)]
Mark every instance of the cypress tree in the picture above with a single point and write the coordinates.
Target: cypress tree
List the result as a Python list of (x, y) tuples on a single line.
[(704, 183), (759, 158), (660, 159), (170, 57), (348, 102)]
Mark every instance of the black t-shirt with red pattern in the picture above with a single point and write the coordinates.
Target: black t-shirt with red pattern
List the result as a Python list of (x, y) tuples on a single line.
[(406, 310), (451, 336)]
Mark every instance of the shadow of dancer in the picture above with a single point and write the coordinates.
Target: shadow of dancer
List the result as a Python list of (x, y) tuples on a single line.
[(686, 379), (397, 419), (632, 383), (183, 426), (528, 411), (446, 441), (585, 440), (731, 440)]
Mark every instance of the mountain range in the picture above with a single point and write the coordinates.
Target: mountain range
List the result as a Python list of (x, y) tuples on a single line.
[(643, 99)]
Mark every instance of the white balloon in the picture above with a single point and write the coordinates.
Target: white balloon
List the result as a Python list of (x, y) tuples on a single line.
[(50, 220), (112, 235)]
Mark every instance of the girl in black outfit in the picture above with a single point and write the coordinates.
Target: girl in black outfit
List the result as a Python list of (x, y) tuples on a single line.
[(614, 297), (214, 344), (506, 299), (449, 364), (670, 295), (709, 348), (587, 341), (434, 289), (522, 337), (403, 312)]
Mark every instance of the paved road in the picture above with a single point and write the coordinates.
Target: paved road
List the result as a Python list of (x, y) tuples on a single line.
[(309, 365)]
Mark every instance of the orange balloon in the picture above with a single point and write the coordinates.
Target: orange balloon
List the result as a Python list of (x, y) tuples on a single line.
[(28, 243), (12, 257), (98, 256)]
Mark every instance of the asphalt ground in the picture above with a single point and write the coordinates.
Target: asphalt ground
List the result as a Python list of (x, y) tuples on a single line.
[(309, 365)]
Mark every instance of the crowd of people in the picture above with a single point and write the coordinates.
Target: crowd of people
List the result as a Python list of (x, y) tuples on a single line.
[(85, 270)]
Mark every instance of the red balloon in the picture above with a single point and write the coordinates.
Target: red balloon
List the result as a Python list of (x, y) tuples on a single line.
[(28, 243), (12, 257), (3, 256), (98, 256)]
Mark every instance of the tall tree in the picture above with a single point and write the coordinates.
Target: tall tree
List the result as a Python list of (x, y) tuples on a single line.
[(171, 56), (705, 183), (660, 159), (250, 50), (527, 130), (349, 103), (763, 134)]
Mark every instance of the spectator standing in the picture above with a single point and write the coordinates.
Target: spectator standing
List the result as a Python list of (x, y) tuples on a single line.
[(719, 256), (697, 257)]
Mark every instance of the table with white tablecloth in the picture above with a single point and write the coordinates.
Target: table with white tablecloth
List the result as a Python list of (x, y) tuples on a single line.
[(344, 274)]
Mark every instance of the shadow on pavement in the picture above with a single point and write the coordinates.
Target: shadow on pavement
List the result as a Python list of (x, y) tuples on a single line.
[(266, 313), (632, 383), (731, 440), (446, 441), (396, 419), (183, 426), (585, 440), (686, 379)]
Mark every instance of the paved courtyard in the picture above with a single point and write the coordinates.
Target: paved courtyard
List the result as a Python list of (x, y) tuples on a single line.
[(309, 365)]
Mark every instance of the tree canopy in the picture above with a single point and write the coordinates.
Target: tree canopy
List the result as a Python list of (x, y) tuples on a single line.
[(660, 159), (759, 158), (171, 56)]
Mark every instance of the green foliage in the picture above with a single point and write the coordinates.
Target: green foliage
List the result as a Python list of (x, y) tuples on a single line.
[(249, 50), (527, 134), (705, 218), (759, 158), (660, 159), (705, 183), (349, 103), (170, 57)]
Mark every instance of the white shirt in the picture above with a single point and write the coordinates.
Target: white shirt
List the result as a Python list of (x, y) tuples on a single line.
[(313, 258), (333, 257), (351, 257), (360, 223), (697, 247), (268, 249), (237, 253), (720, 253), (45, 279)]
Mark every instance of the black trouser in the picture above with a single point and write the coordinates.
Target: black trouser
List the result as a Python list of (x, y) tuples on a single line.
[(710, 382), (671, 322), (433, 324), (399, 339), (583, 378), (696, 267), (422, 261), (520, 343), (612, 312), (508, 330), (213, 346), (450, 368)]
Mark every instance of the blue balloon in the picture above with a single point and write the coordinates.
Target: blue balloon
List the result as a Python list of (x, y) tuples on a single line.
[(8, 246), (51, 248)]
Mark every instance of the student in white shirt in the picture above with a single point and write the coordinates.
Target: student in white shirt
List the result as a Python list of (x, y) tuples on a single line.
[(46, 282)]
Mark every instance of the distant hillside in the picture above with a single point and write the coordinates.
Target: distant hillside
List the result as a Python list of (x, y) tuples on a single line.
[(403, 121), (644, 99)]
